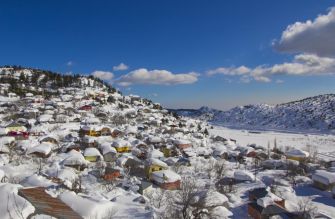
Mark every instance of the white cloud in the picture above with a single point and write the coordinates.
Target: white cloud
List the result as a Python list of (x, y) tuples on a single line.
[(158, 77), (69, 63), (317, 36), (120, 67), (302, 64), (314, 43), (278, 81), (103, 75), (229, 71)]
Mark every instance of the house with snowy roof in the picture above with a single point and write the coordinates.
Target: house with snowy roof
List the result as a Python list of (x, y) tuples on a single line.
[(324, 180), (42, 150), (122, 146), (297, 154), (182, 144), (111, 174), (92, 154), (17, 127), (166, 179), (265, 204), (75, 160), (154, 164)]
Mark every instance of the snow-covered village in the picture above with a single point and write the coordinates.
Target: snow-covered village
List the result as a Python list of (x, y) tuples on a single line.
[(87, 151), (154, 109)]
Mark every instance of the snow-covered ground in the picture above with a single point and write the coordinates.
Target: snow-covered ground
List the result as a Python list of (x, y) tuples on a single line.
[(324, 143)]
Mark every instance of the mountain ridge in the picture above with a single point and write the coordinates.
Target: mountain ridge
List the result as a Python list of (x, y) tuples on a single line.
[(315, 113)]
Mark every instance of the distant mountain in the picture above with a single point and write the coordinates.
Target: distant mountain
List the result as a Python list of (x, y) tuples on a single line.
[(311, 114)]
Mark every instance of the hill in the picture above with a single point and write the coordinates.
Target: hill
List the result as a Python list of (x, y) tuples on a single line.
[(310, 114)]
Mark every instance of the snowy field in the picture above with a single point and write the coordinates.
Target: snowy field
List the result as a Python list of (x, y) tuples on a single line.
[(322, 142), (325, 144)]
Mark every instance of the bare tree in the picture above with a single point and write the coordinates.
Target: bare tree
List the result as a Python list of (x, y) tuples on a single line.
[(77, 185), (185, 198), (219, 169), (157, 198), (306, 209)]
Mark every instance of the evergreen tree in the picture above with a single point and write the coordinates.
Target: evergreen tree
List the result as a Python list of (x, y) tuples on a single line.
[(206, 132)]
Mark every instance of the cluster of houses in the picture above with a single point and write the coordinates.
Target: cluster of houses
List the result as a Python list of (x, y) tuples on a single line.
[(85, 126), (116, 138)]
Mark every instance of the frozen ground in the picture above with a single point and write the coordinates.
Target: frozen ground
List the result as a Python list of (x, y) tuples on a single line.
[(323, 142)]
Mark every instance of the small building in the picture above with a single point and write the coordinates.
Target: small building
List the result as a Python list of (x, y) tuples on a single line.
[(153, 165), (92, 154), (105, 131), (122, 146), (243, 175), (49, 139), (75, 160), (258, 193), (169, 150), (89, 141), (86, 108), (265, 204), (273, 164), (15, 127), (43, 150), (111, 174), (324, 180), (116, 133), (18, 135), (296, 154), (182, 144), (166, 179), (90, 130), (256, 211), (108, 152)]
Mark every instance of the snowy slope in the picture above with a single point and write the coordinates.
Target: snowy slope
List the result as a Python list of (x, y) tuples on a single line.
[(310, 114)]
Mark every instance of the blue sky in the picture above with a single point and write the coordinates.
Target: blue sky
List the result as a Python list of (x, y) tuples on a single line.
[(180, 53)]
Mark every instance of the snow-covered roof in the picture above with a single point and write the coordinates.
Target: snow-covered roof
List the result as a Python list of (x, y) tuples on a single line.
[(220, 212), (243, 175), (121, 143), (131, 130), (6, 140), (297, 153), (44, 148), (11, 201), (74, 158), (67, 175), (324, 177), (37, 181), (107, 148), (87, 207), (92, 152), (155, 139), (181, 141), (155, 161), (265, 201), (219, 150), (215, 199), (165, 176), (89, 139), (91, 120), (46, 118)]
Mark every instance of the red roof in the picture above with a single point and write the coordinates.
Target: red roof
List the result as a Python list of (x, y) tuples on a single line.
[(45, 204)]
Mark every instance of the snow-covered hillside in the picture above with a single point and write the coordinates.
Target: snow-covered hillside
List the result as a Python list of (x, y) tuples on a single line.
[(73, 147), (310, 114)]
